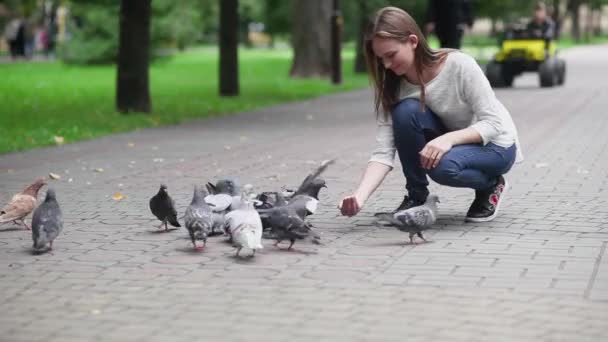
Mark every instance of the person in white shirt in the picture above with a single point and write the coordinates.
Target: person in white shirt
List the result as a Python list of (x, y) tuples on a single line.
[(437, 110)]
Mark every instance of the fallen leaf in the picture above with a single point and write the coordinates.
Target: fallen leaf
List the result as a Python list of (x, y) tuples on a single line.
[(118, 196), (100, 170), (59, 140), (131, 144), (54, 176)]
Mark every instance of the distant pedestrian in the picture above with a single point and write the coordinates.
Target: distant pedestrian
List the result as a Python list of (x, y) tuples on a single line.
[(448, 20), (14, 33)]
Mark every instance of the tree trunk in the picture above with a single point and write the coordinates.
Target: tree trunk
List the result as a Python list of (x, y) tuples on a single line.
[(360, 66), (557, 17), (589, 23), (229, 39), (574, 8), (132, 85), (597, 27), (493, 28), (336, 23), (311, 38)]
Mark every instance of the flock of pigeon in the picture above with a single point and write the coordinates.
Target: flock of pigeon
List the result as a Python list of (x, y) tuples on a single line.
[(221, 209)]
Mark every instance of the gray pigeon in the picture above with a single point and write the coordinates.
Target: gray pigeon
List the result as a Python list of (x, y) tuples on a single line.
[(47, 222), (312, 183), (414, 220), (304, 205), (224, 186), (163, 207), (198, 218), (286, 224)]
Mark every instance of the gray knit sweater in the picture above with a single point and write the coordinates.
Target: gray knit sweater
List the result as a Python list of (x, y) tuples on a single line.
[(462, 97)]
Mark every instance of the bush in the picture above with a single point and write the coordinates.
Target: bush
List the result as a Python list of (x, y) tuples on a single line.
[(93, 36), (94, 31)]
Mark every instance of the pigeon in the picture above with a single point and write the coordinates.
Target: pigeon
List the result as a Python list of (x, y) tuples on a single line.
[(286, 224), (244, 225), (304, 205), (22, 204), (312, 183), (163, 207), (304, 200), (47, 222), (414, 220), (224, 186), (198, 218), (220, 199)]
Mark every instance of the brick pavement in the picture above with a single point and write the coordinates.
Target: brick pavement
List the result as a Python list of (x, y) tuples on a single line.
[(539, 272)]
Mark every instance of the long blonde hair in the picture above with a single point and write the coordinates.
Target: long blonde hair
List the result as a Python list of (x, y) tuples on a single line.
[(395, 23)]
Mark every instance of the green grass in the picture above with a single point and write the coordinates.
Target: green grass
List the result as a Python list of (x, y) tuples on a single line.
[(43, 100)]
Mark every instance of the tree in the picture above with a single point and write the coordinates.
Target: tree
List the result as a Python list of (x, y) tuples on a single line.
[(229, 38), (574, 9), (363, 19), (132, 85), (311, 28)]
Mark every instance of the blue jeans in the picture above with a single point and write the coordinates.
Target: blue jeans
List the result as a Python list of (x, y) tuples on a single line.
[(473, 166)]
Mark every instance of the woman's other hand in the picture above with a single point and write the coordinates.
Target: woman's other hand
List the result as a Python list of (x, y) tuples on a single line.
[(431, 154)]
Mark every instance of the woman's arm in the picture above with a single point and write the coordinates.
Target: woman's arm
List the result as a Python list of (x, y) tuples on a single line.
[(372, 178)]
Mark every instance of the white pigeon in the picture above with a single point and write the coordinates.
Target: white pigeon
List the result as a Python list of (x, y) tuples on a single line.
[(243, 223)]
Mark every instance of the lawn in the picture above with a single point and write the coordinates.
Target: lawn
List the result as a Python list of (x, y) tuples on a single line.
[(41, 101), (44, 100)]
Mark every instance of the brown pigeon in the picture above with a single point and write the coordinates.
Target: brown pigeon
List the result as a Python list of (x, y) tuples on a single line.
[(21, 204)]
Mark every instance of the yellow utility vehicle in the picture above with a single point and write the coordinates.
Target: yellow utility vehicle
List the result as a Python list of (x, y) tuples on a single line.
[(519, 53)]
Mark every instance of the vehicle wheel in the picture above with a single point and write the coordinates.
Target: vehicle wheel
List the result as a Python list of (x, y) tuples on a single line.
[(548, 73), (562, 72), (495, 74)]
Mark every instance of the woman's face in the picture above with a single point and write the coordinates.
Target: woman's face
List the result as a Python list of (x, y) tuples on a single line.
[(396, 55)]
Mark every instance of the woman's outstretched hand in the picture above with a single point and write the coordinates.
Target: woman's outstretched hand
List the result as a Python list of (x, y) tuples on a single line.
[(434, 150), (350, 206)]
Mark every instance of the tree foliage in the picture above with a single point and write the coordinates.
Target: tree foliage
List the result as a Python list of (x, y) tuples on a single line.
[(94, 28)]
